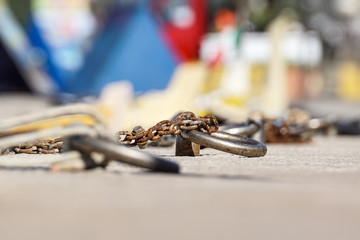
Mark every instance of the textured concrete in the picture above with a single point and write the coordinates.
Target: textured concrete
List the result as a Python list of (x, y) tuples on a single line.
[(305, 191)]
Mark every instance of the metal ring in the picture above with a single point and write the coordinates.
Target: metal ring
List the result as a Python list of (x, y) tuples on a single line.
[(247, 128), (227, 142)]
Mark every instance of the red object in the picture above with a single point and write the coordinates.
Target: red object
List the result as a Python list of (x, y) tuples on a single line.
[(224, 18), (185, 41)]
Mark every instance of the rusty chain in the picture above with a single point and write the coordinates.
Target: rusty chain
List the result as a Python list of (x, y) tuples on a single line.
[(45, 146), (276, 130), (185, 121)]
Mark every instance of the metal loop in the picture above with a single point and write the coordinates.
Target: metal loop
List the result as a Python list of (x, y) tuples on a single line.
[(123, 154), (227, 142), (245, 129)]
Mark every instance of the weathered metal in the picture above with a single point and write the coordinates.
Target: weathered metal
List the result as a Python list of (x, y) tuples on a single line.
[(113, 151), (226, 142), (252, 128), (185, 121), (45, 146), (185, 147)]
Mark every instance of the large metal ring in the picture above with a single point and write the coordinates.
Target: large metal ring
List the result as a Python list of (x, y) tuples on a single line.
[(227, 142)]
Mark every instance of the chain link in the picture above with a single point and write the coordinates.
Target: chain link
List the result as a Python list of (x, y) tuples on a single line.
[(185, 121), (46, 146)]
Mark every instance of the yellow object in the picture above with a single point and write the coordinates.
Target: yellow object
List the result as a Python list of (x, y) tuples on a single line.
[(275, 99), (234, 101), (214, 78), (56, 122), (186, 84), (257, 80), (349, 81)]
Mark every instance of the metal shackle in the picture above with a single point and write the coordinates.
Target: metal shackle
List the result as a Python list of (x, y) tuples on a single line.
[(224, 142)]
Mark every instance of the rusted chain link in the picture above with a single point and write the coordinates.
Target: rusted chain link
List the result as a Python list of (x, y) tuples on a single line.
[(185, 121), (45, 146)]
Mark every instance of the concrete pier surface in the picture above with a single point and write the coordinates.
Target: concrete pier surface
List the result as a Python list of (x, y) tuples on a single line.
[(306, 191), (297, 191)]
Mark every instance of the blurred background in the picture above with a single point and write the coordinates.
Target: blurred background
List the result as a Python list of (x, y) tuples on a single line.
[(142, 61)]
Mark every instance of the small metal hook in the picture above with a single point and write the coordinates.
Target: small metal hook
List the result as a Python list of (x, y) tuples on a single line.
[(219, 140)]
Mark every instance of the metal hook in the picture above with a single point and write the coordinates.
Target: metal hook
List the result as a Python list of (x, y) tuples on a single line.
[(219, 140)]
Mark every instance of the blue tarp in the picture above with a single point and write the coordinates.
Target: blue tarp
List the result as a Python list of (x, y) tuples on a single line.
[(37, 40), (129, 48)]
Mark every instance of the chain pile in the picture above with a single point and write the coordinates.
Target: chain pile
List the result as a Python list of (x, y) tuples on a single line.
[(46, 146), (185, 121)]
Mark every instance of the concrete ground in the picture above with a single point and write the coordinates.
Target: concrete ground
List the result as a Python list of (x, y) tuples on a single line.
[(297, 191)]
